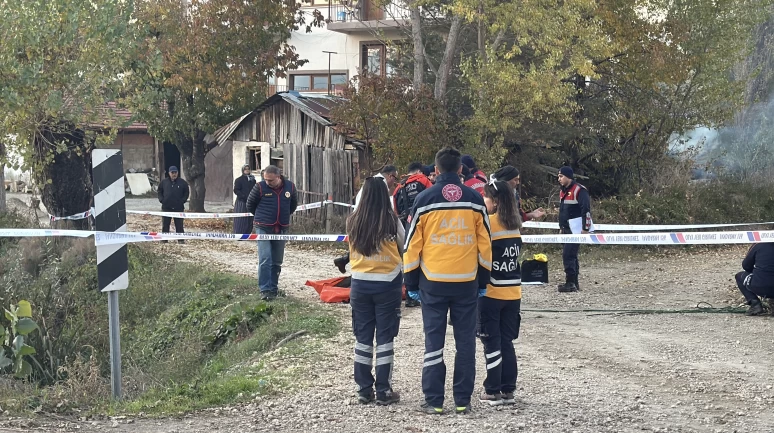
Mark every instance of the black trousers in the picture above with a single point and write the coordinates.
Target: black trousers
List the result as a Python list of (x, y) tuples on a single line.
[(462, 310), (165, 222), (570, 260), (498, 326), (751, 293), (375, 314)]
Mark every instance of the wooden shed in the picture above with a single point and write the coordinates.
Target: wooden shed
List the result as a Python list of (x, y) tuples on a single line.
[(292, 131)]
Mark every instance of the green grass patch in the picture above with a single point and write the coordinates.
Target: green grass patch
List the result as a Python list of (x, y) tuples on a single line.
[(192, 337)]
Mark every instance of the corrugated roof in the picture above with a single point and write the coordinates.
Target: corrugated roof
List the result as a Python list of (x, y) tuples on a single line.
[(122, 114), (315, 105)]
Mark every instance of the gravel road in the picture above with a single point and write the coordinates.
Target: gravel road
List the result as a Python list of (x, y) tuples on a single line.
[(579, 372)]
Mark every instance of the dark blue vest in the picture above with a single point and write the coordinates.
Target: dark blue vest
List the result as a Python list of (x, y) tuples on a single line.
[(274, 208)]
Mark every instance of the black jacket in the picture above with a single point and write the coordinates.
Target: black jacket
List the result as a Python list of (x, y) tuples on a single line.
[(173, 194), (575, 203), (242, 187), (760, 261)]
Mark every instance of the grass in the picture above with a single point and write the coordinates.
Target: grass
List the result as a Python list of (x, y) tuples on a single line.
[(192, 337)]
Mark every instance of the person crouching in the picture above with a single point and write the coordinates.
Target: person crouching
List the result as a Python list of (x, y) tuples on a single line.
[(376, 239), (757, 279)]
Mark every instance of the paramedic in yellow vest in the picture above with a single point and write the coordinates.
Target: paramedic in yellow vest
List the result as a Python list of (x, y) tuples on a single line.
[(499, 304), (448, 258), (376, 238)]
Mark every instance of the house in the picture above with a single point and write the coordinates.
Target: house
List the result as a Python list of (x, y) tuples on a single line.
[(141, 151), (291, 130), (355, 39)]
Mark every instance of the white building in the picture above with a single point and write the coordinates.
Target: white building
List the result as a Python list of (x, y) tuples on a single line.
[(357, 32)]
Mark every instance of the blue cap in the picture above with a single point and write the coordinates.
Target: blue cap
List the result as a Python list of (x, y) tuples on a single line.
[(173, 169)]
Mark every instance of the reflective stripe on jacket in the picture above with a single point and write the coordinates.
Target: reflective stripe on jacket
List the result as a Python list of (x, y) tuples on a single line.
[(505, 279), (448, 247)]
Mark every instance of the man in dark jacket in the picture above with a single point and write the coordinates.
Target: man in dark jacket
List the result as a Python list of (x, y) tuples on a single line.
[(408, 190), (272, 201), (757, 279), (448, 257), (574, 217), (173, 193)]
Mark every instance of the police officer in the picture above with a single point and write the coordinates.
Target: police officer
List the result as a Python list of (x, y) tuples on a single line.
[(448, 258), (757, 279), (574, 216)]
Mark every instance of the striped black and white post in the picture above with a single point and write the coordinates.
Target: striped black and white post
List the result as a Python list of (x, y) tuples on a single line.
[(112, 260)]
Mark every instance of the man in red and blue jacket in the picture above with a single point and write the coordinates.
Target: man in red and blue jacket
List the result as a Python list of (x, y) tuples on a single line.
[(272, 201), (574, 212)]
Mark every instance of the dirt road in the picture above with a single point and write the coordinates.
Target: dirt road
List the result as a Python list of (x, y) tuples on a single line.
[(579, 372)]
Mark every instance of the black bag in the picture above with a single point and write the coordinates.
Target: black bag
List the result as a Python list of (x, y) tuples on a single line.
[(533, 271)]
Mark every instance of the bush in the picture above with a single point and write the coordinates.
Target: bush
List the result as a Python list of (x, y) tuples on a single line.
[(714, 202)]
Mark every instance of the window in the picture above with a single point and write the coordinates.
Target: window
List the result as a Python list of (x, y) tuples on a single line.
[(372, 59), (317, 82), (254, 158)]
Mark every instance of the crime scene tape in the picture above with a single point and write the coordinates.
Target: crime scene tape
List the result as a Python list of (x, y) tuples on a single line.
[(191, 215), (641, 227), (673, 238), (36, 233), (78, 216)]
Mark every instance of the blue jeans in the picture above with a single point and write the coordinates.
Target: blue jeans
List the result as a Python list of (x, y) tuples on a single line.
[(270, 255)]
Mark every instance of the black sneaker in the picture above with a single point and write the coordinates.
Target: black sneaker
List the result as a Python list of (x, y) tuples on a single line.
[(462, 410), (411, 303), (568, 287), (491, 399), (387, 398), (430, 410), (268, 296), (508, 398), (341, 263), (755, 309), (365, 398)]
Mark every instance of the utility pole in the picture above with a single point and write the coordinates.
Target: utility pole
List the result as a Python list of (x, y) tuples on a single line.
[(329, 69)]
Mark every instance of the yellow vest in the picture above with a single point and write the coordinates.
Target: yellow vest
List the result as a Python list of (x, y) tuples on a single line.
[(505, 279)]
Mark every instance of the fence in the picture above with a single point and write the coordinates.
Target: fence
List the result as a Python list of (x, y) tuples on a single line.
[(322, 216)]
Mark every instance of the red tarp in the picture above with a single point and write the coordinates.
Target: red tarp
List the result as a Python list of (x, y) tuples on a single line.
[(331, 293)]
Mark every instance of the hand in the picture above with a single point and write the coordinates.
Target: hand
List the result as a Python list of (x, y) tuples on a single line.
[(482, 292), (537, 213)]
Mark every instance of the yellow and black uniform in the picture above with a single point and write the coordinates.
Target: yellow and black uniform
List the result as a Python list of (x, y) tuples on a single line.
[(499, 311), (375, 297), (448, 258)]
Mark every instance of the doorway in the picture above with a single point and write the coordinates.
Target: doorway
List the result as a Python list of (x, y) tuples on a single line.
[(171, 157)]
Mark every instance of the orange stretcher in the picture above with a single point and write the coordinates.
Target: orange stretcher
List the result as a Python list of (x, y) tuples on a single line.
[(335, 290)]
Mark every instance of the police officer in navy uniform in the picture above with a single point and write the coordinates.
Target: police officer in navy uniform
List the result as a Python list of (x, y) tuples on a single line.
[(448, 259), (272, 201), (575, 205), (757, 279)]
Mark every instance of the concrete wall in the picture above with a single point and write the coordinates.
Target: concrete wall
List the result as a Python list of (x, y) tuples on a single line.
[(138, 150)]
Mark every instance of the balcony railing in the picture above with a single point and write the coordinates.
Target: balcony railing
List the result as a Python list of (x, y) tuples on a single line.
[(364, 10)]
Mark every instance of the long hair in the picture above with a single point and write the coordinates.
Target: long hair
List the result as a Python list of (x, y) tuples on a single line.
[(503, 195), (374, 220)]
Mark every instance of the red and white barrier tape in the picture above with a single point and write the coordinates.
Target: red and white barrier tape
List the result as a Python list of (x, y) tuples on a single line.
[(79, 216), (672, 238), (642, 227), (190, 215)]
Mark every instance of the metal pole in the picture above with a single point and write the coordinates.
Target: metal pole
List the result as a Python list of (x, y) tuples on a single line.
[(329, 69), (115, 344)]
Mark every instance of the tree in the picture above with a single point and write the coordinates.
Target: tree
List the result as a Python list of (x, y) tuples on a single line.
[(398, 124), (59, 62), (608, 83), (216, 56)]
